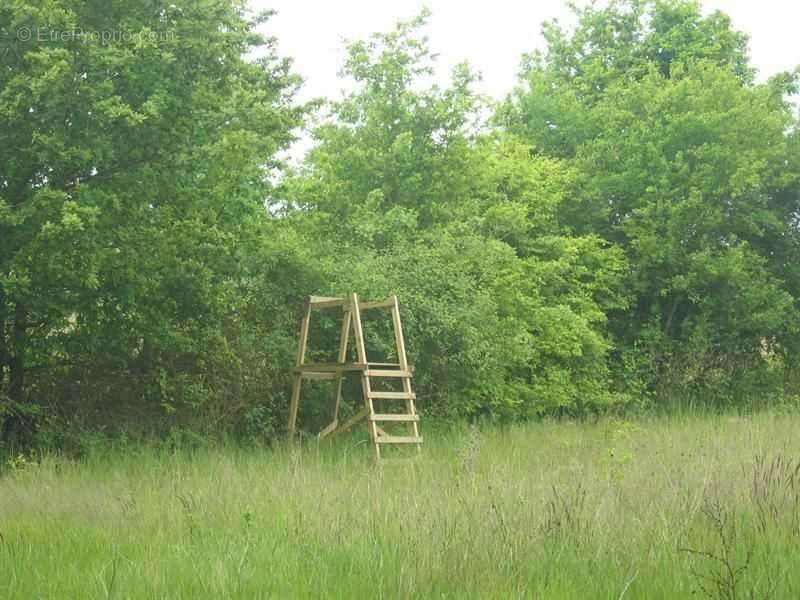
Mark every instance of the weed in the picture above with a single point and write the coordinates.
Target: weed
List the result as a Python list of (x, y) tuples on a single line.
[(775, 492), (523, 511)]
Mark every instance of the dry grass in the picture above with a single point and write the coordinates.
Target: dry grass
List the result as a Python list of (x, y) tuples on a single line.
[(650, 509)]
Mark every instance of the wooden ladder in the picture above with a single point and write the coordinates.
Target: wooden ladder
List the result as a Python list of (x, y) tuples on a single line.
[(393, 427)]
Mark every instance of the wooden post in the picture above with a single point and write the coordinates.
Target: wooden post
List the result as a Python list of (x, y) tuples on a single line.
[(361, 351), (298, 377), (403, 360), (344, 339)]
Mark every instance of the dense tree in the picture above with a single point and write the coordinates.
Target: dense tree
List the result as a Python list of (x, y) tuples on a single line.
[(505, 313), (136, 143), (682, 162), (627, 222)]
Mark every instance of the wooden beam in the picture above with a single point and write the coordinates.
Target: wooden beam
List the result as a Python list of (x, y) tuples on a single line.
[(356, 418), (293, 405), (392, 395), (387, 373), (329, 429), (315, 374), (381, 304), (344, 338), (398, 418), (298, 380), (330, 367), (403, 360), (398, 335), (398, 439), (361, 352), (320, 302)]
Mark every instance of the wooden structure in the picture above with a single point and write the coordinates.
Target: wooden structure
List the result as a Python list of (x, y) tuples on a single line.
[(400, 411)]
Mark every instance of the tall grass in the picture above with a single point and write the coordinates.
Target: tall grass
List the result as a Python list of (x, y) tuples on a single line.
[(667, 508)]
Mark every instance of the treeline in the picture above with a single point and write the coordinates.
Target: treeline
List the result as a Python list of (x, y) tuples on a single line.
[(621, 232)]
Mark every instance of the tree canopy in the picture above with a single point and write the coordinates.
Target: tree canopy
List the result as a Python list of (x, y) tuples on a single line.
[(684, 164), (623, 230), (132, 179)]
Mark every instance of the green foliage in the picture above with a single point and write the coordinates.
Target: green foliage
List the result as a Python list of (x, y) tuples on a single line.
[(641, 509), (682, 163), (615, 46), (132, 229), (624, 229), (389, 141), (504, 312)]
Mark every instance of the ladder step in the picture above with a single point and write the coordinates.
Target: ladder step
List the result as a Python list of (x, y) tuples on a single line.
[(398, 439), (401, 418), (387, 373), (392, 395), (317, 375)]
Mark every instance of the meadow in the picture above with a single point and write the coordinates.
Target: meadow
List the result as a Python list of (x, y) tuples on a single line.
[(655, 508)]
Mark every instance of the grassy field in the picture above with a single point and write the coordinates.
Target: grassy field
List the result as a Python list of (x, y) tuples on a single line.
[(703, 507)]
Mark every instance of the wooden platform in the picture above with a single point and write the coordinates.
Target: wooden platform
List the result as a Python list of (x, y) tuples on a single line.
[(370, 372)]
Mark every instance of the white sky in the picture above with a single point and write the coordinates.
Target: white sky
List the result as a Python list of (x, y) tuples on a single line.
[(491, 36)]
